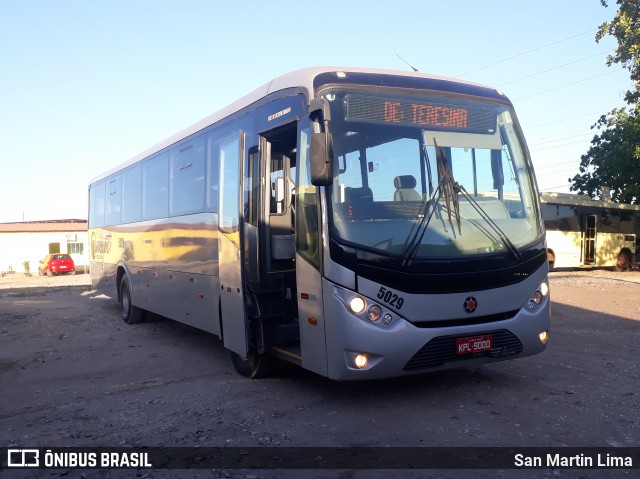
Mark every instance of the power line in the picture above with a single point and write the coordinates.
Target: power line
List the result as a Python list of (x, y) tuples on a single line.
[(554, 68), (557, 146), (561, 139), (527, 52), (595, 112), (554, 187), (568, 84)]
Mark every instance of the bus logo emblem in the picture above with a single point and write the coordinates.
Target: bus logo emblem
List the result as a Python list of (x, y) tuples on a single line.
[(470, 305)]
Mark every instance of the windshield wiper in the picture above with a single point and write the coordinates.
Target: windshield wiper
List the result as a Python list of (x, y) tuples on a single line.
[(446, 188), (450, 190), (424, 219), (501, 234)]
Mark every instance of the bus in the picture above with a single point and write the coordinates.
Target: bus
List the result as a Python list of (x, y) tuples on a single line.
[(360, 223), (582, 232)]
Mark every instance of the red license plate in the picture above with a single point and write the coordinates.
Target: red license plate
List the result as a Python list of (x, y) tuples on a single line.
[(474, 344)]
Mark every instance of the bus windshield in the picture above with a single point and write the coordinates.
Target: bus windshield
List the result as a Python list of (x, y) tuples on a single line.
[(429, 176)]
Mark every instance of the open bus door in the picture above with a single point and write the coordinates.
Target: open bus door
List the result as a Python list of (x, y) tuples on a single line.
[(233, 319), (589, 242)]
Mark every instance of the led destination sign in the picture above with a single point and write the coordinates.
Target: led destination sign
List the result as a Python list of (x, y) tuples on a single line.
[(436, 116)]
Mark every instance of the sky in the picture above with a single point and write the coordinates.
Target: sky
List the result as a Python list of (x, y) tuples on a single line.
[(86, 85)]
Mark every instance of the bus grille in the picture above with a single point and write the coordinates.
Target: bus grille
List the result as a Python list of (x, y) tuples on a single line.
[(442, 350)]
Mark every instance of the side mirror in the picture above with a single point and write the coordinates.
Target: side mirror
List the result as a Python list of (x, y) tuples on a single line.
[(321, 159)]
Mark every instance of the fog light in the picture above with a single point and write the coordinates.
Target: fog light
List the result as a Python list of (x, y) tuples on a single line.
[(387, 318), (358, 304), (361, 361), (374, 312), (544, 337)]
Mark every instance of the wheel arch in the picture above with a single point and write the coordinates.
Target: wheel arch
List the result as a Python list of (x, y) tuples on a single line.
[(624, 260), (121, 271), (551, 256)]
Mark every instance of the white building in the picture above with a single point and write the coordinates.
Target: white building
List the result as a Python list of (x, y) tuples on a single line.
[(32, 240)]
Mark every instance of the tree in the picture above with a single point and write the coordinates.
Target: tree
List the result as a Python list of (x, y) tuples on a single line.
[(625, 27), (613, 160)]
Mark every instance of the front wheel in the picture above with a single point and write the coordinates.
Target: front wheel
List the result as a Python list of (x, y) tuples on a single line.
[(255, 366), (130, 314)]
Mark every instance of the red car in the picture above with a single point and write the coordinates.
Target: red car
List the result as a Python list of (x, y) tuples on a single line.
[(56, 264)]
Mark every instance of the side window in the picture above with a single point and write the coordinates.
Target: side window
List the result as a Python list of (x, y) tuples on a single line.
[(252, 186), (277, 197), (132, 194), (155, 187), (229, 157), (97, 197), (187, 178), (114, 200), (610, 221), (212, 181), (568, 219), (307, 243), (550, 216), (626, 222)]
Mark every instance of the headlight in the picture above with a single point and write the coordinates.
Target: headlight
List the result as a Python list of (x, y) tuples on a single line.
[(358, 304), (364, 308), (537, 298), (374, 312)]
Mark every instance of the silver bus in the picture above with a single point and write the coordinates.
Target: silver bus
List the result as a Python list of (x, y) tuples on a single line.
[(582, 232), (360, 223)]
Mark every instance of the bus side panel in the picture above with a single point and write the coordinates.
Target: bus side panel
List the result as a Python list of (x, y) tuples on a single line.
[(102, 261), (567, 248), (185, 297), (609, 245)]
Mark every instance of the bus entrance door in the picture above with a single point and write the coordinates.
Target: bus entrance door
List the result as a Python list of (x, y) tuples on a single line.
[(278, 313), (234, 332), (589, 244)]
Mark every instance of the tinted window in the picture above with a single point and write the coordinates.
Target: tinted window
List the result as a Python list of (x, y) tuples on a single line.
[(187, 178), (626, 222), (132, 194), (112, 213), (212, 180), (610, 221), (568, 218), (229, 155), (97, 205), (550, 216), (155, 180)]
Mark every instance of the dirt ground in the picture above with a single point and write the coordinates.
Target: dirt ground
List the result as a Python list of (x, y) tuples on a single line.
[(73, 374)]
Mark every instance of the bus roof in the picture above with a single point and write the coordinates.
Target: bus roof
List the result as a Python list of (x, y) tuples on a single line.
[(303, 78), (582, 200)]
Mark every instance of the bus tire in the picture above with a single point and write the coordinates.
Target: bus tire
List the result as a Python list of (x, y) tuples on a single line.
[(624, 261), (130, 314), (255, 366), (551, 260)]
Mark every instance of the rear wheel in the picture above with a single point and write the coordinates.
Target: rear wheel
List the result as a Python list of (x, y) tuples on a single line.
[(130, 314), (255, 366), (624, 261)]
